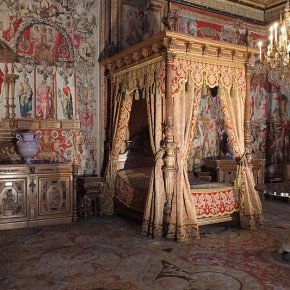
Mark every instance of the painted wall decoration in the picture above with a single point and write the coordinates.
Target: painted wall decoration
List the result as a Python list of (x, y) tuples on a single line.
[(44, 99), (66, 99), (50, 38), (44, 42), (270, 112), (187, 25), (138, 22), (25, 96), (210, 137), (58, 145), (131, 23), (134, 21), (195, 22)]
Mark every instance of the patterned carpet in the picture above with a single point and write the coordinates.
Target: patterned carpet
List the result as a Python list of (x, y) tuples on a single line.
[(110, 253)]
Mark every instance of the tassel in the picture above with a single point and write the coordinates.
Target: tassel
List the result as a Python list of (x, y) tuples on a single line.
[(187, 86), (233, 92), (220, 91), (204, 88), (234, 89), (154, 88), (142, 94), (220, 87), (188, 82), (137, 95)]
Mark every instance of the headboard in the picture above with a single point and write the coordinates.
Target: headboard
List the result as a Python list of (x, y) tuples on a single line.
[(137, 152)]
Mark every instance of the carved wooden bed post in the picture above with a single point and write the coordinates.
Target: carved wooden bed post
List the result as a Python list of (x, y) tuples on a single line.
[(248, 114), (169, 157)]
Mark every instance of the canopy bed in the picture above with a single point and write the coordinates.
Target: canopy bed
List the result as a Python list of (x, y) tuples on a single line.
[(167, 74)]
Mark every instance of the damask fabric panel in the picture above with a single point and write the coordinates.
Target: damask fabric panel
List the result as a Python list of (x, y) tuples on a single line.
[(251, 212), (211, 199), (125, 84), (122, 117), (153, 214), (132, 187), (226, 77)]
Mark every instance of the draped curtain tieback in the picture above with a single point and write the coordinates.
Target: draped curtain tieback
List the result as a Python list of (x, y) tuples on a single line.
[(241, 163)]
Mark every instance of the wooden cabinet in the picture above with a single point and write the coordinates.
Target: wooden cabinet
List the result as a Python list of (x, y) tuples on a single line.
[(37, 195), (224, 170)]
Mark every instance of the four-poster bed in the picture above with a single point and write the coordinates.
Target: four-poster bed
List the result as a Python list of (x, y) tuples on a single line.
[(169, 73)]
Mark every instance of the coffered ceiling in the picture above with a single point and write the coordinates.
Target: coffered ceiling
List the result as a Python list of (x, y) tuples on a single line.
[(259, 11), (263, 4)]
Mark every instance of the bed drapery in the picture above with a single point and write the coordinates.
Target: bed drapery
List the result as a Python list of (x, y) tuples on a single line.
[(123, 100), (153, 214), (124, 88), (231, 83), (183, 223), (251, 214), (216, 67)]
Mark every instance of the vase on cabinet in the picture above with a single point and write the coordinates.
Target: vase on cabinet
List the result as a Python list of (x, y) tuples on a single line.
[(28, 145)]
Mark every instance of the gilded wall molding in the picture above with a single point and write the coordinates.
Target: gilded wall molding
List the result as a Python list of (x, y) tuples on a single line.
[(35, 124), (169, 41)]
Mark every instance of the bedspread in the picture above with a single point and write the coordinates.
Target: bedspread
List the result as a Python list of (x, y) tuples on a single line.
[(210, 198)]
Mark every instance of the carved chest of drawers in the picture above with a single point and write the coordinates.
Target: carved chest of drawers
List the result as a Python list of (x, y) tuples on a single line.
[(224, 170), (37, 195)]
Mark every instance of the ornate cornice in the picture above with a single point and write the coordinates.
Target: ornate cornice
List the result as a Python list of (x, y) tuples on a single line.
[(35, 124), (256, 11), (14, 169), (183, 46), (228, 8)]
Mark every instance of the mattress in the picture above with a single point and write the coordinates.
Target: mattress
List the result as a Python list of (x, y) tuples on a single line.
[(210, 198)]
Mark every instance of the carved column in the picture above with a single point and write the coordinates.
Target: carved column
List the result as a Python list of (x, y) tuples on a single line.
[(7, 106), (248, 141), (12, 80), (9, 85), (169, 157), (75, 217), (33, 192)]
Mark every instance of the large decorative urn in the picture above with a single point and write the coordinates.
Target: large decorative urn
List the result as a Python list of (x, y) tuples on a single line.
[(28, 145)]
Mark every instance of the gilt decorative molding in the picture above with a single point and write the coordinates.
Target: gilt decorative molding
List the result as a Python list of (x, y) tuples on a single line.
[(179, 43)]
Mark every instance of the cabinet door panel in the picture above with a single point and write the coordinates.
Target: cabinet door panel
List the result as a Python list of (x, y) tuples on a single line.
[(54, 195), (13, 198)]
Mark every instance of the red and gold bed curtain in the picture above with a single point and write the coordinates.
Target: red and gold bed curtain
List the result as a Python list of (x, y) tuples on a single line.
[(124, 87), (153, 214), (233, 109), (228, 78), (183, 220), (123, 100)]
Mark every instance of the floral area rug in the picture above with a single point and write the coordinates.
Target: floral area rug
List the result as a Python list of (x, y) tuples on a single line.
[(110, 253)]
